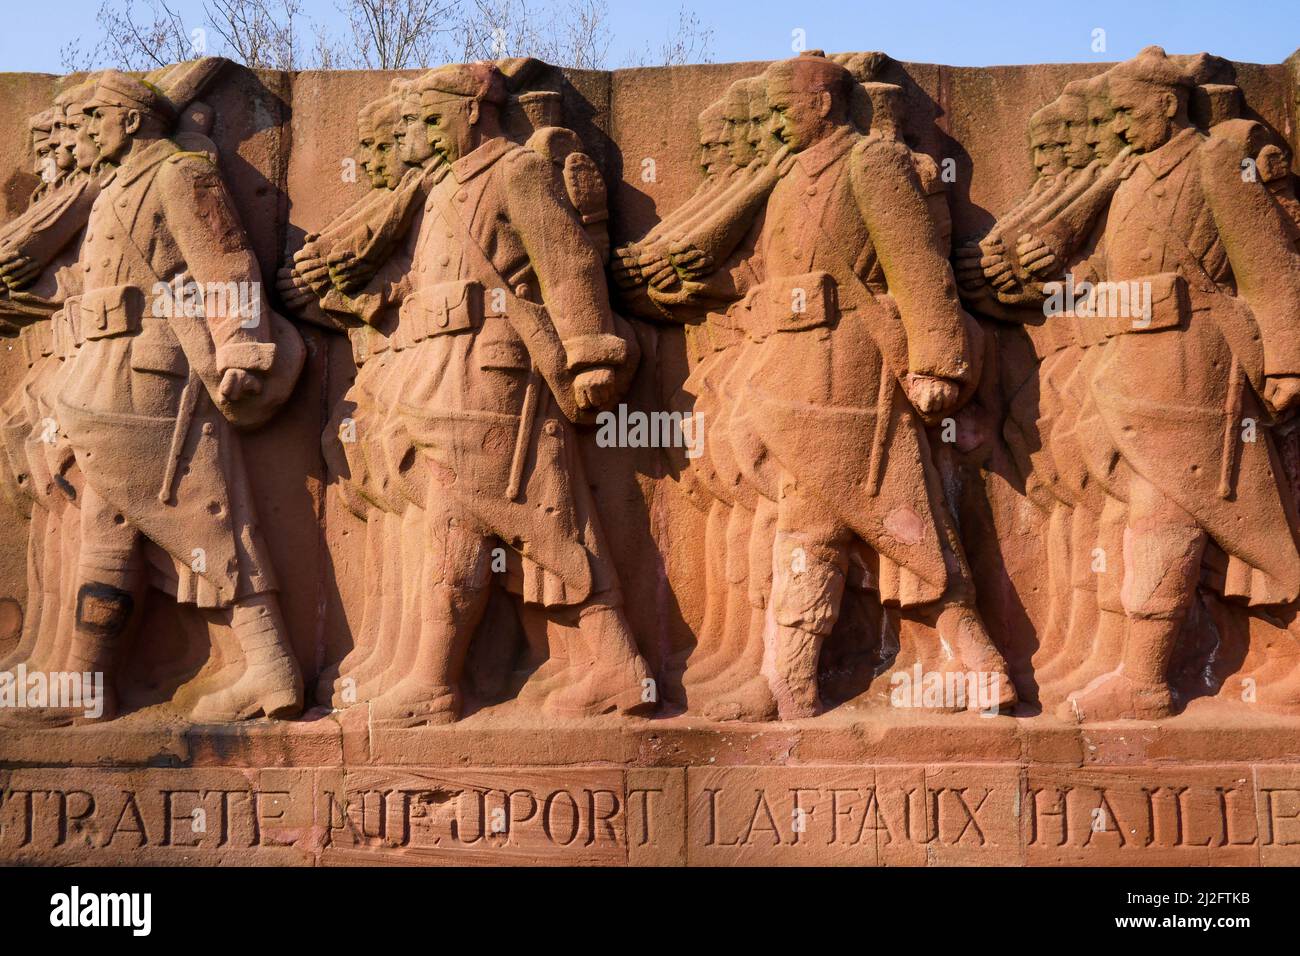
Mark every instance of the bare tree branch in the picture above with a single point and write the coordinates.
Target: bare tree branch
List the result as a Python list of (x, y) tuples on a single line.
[(399, 34), (258, 33), (136, 40), (691, 42)]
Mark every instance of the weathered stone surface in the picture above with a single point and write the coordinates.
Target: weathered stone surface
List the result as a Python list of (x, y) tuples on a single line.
[(830, 462)]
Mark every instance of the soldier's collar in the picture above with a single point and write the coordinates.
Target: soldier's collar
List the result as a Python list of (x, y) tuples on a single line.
[(820, 155), (1161, 162), (137, 166), (480, 158)]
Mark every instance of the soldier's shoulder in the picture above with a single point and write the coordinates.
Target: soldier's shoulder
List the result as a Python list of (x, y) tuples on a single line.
[(876, 148), (520, 164), (1240, 137), (190, 167), (879, 154)]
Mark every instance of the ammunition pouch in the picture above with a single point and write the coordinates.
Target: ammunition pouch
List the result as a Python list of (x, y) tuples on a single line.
[(1092, 322), (112, 311), (790, 304), (441, 309)]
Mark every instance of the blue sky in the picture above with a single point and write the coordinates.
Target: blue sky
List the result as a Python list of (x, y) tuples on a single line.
[(971, 33)]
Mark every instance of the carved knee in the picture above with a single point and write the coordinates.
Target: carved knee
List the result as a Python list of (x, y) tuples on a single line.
[(102, 609), (807, 584), (1161, 568)]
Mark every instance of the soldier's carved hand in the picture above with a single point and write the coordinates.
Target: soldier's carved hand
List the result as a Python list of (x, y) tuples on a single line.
[(17, 270), (293, 291), (237, 383), (931, 395), (316, 274), (625, 267), (967, 266), (1281, 392), (1035, 255), (593, 388), (348, 271), (997, 270), (687, 260), (658, 271)]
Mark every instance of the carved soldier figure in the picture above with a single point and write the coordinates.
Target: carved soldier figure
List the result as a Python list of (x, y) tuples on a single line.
[(511, 339), (38, 253), (381, 224), (1175, 390), (861, 335), (1003, 277), (152, 397)]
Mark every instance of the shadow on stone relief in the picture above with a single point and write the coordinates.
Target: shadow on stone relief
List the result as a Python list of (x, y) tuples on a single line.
[(792, 448)]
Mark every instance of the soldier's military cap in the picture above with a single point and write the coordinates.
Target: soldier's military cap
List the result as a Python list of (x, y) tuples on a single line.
[(810, 73), (1151, 66), (115, 88), (736, 99), (75, 95), (42, 124), (711, 119), (376, 110), (481, 81)]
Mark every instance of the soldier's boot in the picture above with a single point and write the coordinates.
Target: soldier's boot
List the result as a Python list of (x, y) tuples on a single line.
[(807, 588), (710, 635), (961, 631), (1106, 651), (1276, 683), (1055, 637), (795, 653), (733, 616), (414, 556), (393, 579), (1076, 638), (102, 616), (336, 685), (41, 629), (553, 671), (270, 684), (38, 600), (1139, 688), (430, 692), (747, 692), (1162, 547), (615, 678)]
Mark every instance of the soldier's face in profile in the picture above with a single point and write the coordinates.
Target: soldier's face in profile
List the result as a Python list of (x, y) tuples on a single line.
[(111, 128), (1101, 136), (713, 151), (1143, 114), (1077, 151), (797, 117), (736, 130), (44, 166), (1048, 151), (761, 141), (448, 121), (84, 150), (412, 145), (385, 161), (366, 152), (67, 132)]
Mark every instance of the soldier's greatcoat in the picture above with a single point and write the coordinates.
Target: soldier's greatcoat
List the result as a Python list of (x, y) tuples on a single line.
[(856, 294), (502, 252), (140, 406), (1171, 400)]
